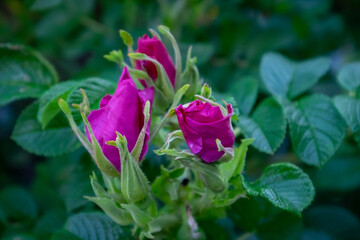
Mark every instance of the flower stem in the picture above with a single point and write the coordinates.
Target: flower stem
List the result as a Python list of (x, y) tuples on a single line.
[(160, 125)]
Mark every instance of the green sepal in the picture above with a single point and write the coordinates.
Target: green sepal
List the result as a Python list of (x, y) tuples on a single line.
[(109, 206), (154, 33), (134, 184), (80, 135), (178, 95), (228, 152), (127, 38), (191, 75), (236, 166), (224, 111), (211, 176), (116, 57), (140, 217), (136, 152), (166, 32), (163, 82), (101, 193), (170, 138), (206, 91), (100, 159), (84, 106)]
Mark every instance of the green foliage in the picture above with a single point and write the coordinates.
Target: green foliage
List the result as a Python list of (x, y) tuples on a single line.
[(284, 185), (56, 139), (24, 73), (316, 129), (266, 126), (286, 78), (349, 77), (349, 109), (48, 102), (19, 203), (95, 226), (340, 174), (245, 91)]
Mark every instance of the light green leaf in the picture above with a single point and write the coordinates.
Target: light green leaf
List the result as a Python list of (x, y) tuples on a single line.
[(48, 103), (24, 73), (266, 125), (56, 139), (316, 129), (245, 92), (349, 76), (286, 78), (96, 226), (284, 185), (140, 217), (349, 109)]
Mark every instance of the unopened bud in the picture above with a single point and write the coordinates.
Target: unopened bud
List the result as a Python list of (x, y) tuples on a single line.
[(206, 91), (134, 184), (212, 177)]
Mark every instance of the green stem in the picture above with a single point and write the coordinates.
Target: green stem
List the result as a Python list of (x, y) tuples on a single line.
[(160, 125)]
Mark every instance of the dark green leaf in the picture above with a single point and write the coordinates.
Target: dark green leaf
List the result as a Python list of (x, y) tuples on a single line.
[(316, 129), (286, 78), (333, 220), (284, 185), (56, 139), (44, 4), (2, 215), (266, 125), (77, 184), (50, 222), (246, 213), (349, 109), (19, 203), (24, 73), (349, 76), (339, 174), (63, 234), (96, 226), (281, 226)]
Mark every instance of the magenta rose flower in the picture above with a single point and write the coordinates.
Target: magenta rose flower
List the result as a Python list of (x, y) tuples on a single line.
[(122, 112), (201, 124), (154, 48)]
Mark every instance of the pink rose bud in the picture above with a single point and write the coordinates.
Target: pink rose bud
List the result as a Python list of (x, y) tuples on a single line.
[(154, 48), (122, 112), (201, 124)]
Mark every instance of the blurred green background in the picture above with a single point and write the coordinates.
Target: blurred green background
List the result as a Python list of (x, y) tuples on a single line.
[(228, 38)]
